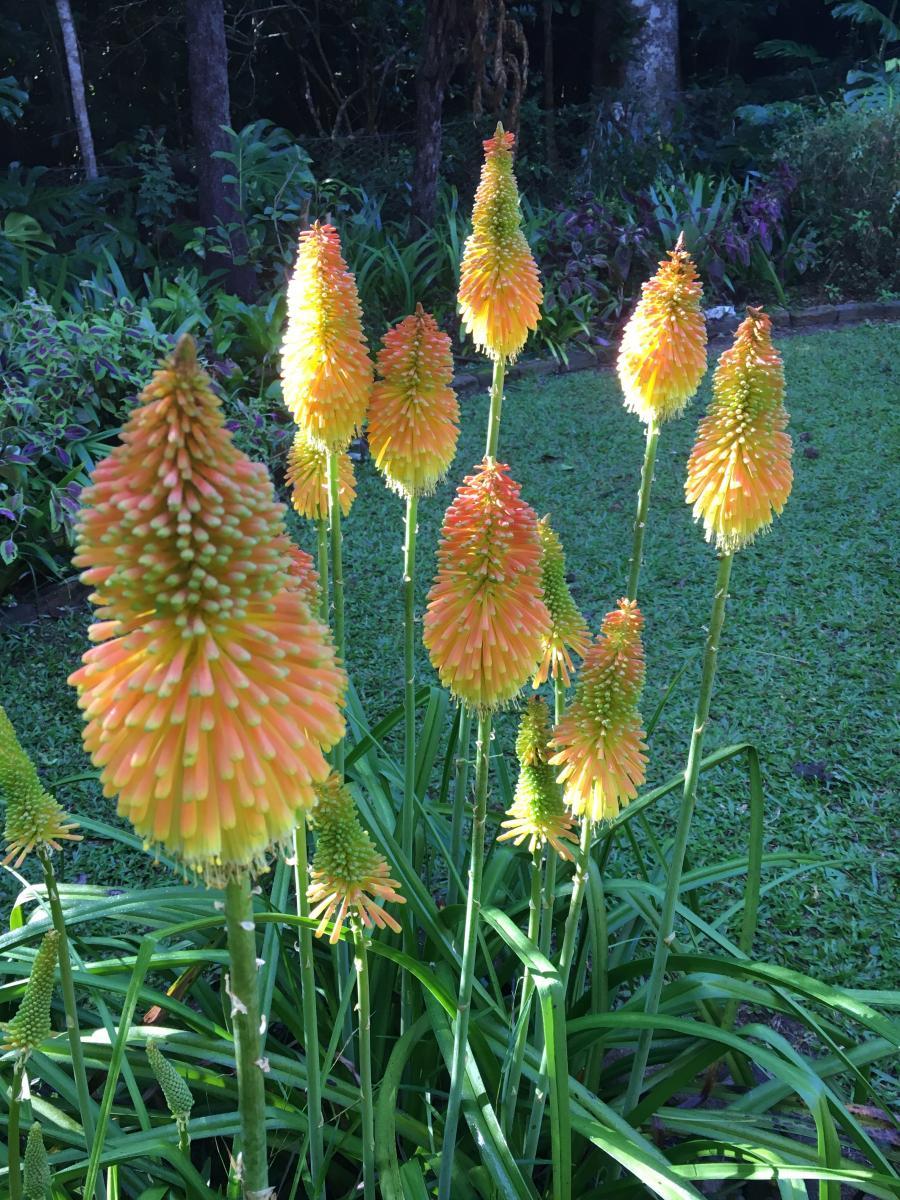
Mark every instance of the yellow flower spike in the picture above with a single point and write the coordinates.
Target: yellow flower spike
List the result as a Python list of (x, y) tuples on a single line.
[(214, 691), (414, 416), (307, 477), (739, 473), (349, 877), (662, 357), (537, 814), (34, 819), (326, 371), (499, 290), (37, 1177), (568, 628), (599, 743), (485, 621), (31, 1024)]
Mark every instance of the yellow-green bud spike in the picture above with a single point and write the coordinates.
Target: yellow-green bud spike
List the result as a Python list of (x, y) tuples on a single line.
[(175, 1090), (534, 733), (31, 1024), (537, 814), (568, 628), (38, 1178), (34, 820)]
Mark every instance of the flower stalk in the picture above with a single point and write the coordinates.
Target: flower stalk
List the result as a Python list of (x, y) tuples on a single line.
[(407, 824), (666, 932), (244, 995), (14, 1150), (460, 788), (470, 943), (364, 1009), (643, 508), (310, 1014), (337, 576)]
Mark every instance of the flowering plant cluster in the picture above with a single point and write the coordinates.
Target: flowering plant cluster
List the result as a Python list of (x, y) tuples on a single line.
[(218, 711)]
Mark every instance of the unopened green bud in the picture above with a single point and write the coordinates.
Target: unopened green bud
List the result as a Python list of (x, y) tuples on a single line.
[(31, 1024), (174, 1088), (34, 819), (37, 1166)]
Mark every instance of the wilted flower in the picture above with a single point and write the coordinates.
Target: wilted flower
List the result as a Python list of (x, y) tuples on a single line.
[(348, 877), (499, 289), (739, 473), (599, 742), (413, 417), (31, 1024), (568, 628), (307, 477), (34, 819), (215, 691), (326, 371), (537, 814), (485, 621), (663, 353)]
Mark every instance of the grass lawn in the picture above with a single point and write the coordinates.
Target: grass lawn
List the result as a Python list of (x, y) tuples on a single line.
[(803, 667)]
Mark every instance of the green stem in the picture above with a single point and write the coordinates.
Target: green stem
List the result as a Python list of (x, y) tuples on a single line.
[(322, 539), (522, 1024), (310, 1014), (337, 576), (493, 429), (666, 932), (460, 786), (407, 824), (13, 1151), (364, 1008), (643, 505), (73, 1030), (245, 1022), (470, 942)]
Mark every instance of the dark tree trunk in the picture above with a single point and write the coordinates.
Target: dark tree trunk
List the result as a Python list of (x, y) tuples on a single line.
[(549, 91), (210, 110), (437, 63), (599, 47), (76, 88), (651, 71)]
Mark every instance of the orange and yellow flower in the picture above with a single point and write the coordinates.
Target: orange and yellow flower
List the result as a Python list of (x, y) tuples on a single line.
[(599, 742), (486, 620), (303, 577), (307, 477), (349, 877), (568, 628), (326, 371), (413, 417), (214, 691), (537, 814), (739, 473), (499, 290), (663, 353)]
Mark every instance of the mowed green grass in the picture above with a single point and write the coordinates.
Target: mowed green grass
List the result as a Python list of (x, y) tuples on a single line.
[(804, 665)]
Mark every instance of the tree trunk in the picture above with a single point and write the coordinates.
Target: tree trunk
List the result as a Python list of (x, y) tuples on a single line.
[(210, 110), (599, 47), (549, 91), (436, 66), (76, 86), (651, 70)]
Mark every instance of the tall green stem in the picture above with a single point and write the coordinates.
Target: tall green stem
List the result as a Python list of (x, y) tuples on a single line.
[(322, 542), (522, 1023), (73, 1030), (310, 1014), (13, 1151), (407, 823), (337, 575), (493, 429), (244, 995), (470, 943), (460, 787), (643, 505), (364, 1008), (666, 932)]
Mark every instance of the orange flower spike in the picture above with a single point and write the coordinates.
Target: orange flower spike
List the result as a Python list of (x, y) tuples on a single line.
[(213, 692), (349, 876), (663, 353), (599, 742), (568, 629), (739, 472), (326, 371), (486, 620), (499, 291), (414, 416), (307, 477)]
